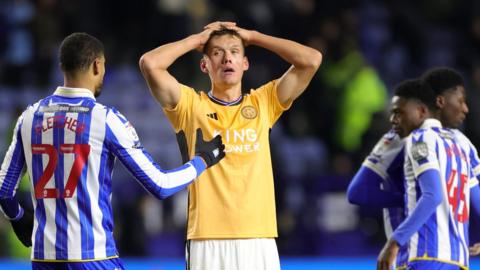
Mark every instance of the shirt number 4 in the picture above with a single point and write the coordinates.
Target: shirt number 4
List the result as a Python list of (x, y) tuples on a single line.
[(456, 196), (81, 152)]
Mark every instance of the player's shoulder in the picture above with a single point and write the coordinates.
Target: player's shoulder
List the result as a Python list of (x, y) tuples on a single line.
[(266, 87), (389, 146), (111, 111), (391, 136), (459, 135), (422, 134)]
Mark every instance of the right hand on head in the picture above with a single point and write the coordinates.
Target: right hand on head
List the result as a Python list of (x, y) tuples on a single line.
[(208, 29), (23, 228), (211, 151)]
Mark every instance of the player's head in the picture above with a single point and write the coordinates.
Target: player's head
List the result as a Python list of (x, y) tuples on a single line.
[(81, 53), (448, 86), (224, 57), (412, 103)]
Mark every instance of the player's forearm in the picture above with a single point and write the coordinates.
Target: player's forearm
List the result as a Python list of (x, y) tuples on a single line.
[(365, 190), (431, 197), (13, 164), (300, 56), (164, 56)]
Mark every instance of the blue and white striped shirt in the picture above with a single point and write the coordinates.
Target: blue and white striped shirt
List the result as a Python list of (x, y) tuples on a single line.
[(444, 236), (386, 160), (68, 144)]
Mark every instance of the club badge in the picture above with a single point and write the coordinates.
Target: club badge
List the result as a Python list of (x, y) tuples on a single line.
[(419, 151), (249, 112)]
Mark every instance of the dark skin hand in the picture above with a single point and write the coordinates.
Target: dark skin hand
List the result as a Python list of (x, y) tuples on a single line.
[(387, 255)]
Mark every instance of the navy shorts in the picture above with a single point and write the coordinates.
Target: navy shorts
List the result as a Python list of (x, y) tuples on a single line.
[(431, 265), (110, 264)]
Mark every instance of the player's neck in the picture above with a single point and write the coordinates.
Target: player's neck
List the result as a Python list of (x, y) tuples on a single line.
[(78, 82), (227, 94)]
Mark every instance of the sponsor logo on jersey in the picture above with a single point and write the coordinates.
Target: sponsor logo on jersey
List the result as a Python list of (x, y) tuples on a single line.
[(239, 141), (64, 108), (212, 115)]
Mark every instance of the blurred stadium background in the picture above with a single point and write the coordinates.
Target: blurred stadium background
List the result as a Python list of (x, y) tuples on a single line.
[(368, 47)]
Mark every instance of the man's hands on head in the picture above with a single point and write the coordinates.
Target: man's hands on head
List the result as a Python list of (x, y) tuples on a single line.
[(246, 35), (208, 29), (211, 151)]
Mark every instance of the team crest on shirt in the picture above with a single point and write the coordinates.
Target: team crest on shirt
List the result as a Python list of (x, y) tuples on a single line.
[(249, 112), (419, 151)]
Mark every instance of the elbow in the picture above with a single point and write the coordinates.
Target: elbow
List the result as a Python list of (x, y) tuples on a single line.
[(145, 63), (316, 59), (352, 197), (437, 200)]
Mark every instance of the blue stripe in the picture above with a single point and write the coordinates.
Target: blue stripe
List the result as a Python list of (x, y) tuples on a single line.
[(37, 171), (61, 241), (422, 243), (432, 236), (107, 162), (15, 167), (105, 183), (462, 238), (83, 198), (452, 237)]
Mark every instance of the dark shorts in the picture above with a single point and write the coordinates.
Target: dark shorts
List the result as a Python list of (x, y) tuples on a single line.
[(110, 264), (431, 265)]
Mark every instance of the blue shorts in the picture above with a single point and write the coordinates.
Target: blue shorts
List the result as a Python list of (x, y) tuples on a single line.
[(431, 265), (109, 264)]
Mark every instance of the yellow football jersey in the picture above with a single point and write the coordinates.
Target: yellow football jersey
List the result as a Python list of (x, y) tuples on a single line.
[(235, 198)]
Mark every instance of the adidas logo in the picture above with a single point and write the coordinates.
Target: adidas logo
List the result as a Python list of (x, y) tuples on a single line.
[(212, 115)]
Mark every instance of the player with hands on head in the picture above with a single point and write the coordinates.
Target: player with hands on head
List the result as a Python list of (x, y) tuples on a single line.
[(68, 143), (231, 215)]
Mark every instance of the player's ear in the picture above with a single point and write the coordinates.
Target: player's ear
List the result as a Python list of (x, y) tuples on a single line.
[(440, 101), (96, 66), (423, 109), (246, 64), (203, 65)]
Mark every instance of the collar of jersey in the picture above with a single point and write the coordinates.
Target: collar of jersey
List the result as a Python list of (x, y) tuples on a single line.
[(73, 92), (225, 103), (431, 123)]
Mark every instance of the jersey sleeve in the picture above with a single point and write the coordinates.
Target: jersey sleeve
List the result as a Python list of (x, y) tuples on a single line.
[(472, 157), (123, 141), (180, 115), (267, 96), (13, 164), (475, 164), (421, 150), (385, 154)]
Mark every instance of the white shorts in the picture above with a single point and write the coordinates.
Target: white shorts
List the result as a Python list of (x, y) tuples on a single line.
[(232, 254)]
